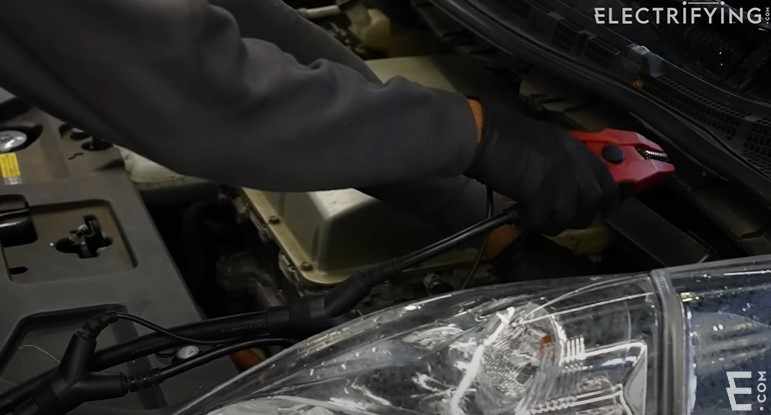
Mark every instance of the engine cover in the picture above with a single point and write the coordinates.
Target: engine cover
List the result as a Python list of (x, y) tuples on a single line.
[(76, 240)]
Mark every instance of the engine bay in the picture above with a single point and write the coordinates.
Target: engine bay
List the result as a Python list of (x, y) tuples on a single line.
[(321, 238)]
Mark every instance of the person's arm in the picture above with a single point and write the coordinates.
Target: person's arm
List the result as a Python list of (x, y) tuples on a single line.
[(175, 81), (275, 22), (451, 203)]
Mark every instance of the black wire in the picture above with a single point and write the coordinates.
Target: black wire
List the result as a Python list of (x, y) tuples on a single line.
[(168, 333), (223, 329), (452, 241), (213, 354), (478, 261), (170, 371), (346, 295)]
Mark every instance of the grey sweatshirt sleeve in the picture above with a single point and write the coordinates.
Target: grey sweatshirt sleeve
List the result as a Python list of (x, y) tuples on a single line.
[(174, 80), (451, 203), (275, 22)]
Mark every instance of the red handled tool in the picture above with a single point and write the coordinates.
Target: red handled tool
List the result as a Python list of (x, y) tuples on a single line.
[(632, 159)]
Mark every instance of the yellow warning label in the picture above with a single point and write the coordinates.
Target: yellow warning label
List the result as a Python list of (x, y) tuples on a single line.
[(9, 168)]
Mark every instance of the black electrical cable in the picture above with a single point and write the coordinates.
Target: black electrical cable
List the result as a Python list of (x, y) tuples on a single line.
[(214, 354), (158, 329), (74, 383), (258, 323), (348, 293), (336, 302), (157, 376), (230, 328), (480, 255), (437, 248)]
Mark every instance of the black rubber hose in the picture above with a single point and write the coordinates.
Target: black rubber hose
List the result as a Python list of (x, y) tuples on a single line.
[(161, 330), (73, 364), (12, 398)]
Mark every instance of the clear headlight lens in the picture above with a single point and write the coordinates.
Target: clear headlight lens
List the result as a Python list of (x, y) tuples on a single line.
[(659, 343), (582, 346), (727, 311)]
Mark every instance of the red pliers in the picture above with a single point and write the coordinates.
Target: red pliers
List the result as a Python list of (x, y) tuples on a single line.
[(634, 161)]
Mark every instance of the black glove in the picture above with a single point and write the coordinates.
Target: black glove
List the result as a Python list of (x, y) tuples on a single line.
[(559, 183)]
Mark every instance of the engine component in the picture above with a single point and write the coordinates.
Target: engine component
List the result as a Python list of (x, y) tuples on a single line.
[(371, 26), (324, 236), (86, 240), (53, 186), (319, 12), (307, 316)]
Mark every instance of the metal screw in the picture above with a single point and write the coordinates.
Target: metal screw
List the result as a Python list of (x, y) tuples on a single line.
[(186, 352), (306, 266), (274, 220)]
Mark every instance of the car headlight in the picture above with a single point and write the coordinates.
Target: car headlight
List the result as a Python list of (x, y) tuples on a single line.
[(659, 343), (726, 347)]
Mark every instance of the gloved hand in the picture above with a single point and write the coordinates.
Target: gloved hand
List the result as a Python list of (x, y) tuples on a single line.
[(559, 183)]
